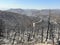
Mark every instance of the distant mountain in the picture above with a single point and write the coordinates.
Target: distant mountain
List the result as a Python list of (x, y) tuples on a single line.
[(27, 12), (34, 12)]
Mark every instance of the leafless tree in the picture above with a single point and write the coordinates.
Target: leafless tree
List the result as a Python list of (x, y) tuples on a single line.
[(2, 28)]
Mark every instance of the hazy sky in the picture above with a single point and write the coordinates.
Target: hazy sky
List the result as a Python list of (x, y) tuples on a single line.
[(30, 4)]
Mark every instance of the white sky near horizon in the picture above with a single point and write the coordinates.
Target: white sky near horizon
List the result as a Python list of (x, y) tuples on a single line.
[(4, 7)]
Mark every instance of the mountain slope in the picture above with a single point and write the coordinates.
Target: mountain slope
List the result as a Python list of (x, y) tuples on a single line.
[(34, 12), (14, 21)]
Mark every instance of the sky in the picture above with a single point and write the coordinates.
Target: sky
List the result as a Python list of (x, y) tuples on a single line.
[(29, 4)]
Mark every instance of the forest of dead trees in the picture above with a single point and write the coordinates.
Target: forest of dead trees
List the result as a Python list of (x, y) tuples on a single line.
[(42, 33)]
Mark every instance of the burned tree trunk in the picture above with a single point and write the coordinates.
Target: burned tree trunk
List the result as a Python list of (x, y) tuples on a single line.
[(48, 28), (48, 25), (1, 27), (42, 31)]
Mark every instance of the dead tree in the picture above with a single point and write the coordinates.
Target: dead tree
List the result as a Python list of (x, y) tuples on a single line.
[(48, 28), (42, 35), (42, 27), (28, 37), (52, 33), (1, 27), (48, 25), (14, 39)]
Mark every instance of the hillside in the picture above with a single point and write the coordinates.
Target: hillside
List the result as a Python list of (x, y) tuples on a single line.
[(14, 21)]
